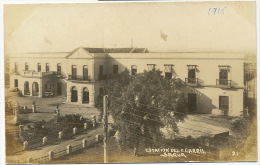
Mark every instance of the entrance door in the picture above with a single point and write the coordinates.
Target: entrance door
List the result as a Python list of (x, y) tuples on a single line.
[(85, 95), (224, 104), (74, 94), (58, 88), (192, 102)]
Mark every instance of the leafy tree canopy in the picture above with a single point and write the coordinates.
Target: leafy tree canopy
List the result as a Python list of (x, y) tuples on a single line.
[(142, 104)]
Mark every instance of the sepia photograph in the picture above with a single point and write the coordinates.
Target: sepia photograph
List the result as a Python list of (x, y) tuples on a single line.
[(130, 82)]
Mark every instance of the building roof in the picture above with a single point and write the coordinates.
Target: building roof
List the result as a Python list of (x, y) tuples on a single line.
[(116, 50)]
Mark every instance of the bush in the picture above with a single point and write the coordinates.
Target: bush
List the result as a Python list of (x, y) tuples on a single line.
[(239, 126)]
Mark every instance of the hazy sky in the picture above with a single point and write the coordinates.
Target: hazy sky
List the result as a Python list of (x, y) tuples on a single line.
[(189, 26)]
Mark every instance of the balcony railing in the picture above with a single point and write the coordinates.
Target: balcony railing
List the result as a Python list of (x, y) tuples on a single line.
[(104, 76), (79, 78), (59, 74), (36, 74), (224, 82), (194, 81)]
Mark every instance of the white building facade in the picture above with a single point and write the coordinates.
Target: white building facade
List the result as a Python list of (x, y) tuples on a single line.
[(214, 81)]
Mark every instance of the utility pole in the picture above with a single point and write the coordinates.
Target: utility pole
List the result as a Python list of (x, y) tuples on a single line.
[(105, 120)]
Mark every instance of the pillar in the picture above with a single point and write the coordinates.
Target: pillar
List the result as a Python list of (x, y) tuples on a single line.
[(84, 143), (80, 96), (30, 160), (25, 145), (75, 130), (91, 98), (51, 155), (69, 149), (30, 88), (68, 94), (44, 140), (41, 89), (21, 127), (85, 125), (33, 108), (98, 138), (60, 135)]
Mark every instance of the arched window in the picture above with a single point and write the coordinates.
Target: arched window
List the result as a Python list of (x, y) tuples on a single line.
[(133, 69)]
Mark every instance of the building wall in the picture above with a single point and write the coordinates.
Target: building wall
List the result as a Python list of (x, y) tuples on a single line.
[(207, 71), (207, 65)]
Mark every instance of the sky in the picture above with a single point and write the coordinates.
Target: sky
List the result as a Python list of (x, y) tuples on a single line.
[(189, 27)]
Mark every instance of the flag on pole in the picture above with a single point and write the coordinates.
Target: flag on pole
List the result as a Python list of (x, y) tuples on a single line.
[(164, 36)]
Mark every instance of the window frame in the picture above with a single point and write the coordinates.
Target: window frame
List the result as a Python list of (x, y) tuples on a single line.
[(133, 70), (39, 67), (115, 69), (47, 67)]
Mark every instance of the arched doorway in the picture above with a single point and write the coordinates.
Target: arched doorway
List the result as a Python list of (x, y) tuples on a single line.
[(85, 95), (74, 94), (35, 89), (26, 88)]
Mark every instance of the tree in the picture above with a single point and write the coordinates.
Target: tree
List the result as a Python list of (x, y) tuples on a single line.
[(142, 104)]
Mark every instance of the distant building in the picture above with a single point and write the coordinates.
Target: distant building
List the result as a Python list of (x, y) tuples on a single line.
[(214, 81)]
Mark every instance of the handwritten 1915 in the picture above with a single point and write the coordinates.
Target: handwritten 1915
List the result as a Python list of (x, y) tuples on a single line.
[(216, 11)]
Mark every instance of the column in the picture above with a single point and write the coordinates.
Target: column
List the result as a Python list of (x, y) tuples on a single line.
[(30, 88), (91, 98), (80, 96), (41, 89), (68, 94)]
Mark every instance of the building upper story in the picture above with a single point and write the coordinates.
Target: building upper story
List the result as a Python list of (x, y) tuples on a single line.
[(93, 64)]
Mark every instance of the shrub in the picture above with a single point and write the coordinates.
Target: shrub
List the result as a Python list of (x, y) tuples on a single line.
[(239, 126)]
